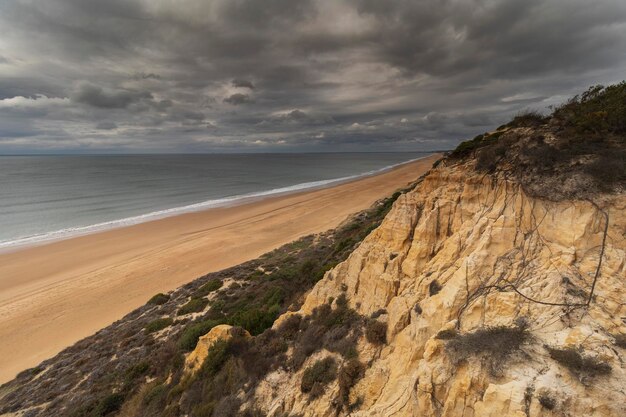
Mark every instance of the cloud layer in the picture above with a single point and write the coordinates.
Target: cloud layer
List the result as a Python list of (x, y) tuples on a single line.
[(291, 75)]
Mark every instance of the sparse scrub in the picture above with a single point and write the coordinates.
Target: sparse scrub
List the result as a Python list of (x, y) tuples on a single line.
[(494, 345), (576, 152), (159, 299), (270, 285), (209, 287), (376, 332), (109, 404), (528, 118), (547, 402), (349, 375), (316, 377), (158, 324), (599, 110), (582, 366), (193, 306)]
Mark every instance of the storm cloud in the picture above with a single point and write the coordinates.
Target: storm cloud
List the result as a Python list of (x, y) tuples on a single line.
[(291, 75)]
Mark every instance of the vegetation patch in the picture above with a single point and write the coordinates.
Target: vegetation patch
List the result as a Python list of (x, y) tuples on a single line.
[(376, 332), (79, 379), (576, 152), (316, 377), (349, 374), (194, 305), (159, 299), (189, 337), (158, 324), (433, 288), (493, 345), (581, 366), (209, 287), (547, 402)]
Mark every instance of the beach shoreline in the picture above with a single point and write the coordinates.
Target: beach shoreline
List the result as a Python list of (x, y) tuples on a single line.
[(23, 242), (54, 294)]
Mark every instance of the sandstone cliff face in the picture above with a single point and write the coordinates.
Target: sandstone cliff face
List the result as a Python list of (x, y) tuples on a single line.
[(469, 251)]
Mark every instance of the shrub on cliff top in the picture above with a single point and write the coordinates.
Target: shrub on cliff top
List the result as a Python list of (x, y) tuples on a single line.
[(599, 110)]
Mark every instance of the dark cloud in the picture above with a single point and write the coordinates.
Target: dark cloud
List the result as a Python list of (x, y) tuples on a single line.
[(146, 76), (95, 96), (313, 74), (243, 84), (106, 126), (237, 98)]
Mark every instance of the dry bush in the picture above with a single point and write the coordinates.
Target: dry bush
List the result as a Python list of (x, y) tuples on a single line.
[(579, 365), (376, 332), (317, 376), (493, 345), (547, 402)]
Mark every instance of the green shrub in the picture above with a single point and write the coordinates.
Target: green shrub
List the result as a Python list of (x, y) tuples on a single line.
[(217, 355), (193, 306), (154, 394), (209, 287), (189, 337), (159, 299), (255, 320), (317, 376), (136, 371), (578, 364), (158, 324), (109, 404), (599, 110), (528, 118)]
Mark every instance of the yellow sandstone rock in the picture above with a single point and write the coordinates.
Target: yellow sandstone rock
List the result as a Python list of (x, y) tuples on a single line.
[(474, 251), (220, 332)]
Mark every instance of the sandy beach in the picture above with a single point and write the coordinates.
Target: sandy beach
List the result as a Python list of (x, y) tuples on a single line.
[(55, 294)]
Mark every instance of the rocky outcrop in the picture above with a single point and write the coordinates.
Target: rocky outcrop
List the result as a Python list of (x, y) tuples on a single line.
[(225, 332), (467, 252)]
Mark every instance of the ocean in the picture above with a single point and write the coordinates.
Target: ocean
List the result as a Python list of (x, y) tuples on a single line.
[(52, 197)]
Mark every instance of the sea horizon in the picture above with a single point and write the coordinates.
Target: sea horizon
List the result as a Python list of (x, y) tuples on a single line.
[(29, 208)]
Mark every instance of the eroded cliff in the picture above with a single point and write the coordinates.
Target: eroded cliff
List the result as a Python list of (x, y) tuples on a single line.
[(463, 264)]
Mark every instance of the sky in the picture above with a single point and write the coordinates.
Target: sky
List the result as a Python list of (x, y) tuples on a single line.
[(135, 76)]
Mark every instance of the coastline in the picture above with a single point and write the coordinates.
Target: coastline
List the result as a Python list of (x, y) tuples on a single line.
[(54, 294), (23, 242)]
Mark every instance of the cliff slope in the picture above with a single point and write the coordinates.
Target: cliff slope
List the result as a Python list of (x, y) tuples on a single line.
[(487, 299)]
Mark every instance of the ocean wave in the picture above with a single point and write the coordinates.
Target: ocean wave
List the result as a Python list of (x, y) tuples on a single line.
[(155, 215)]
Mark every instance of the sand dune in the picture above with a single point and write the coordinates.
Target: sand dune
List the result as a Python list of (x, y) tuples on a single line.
[(55, 294)]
